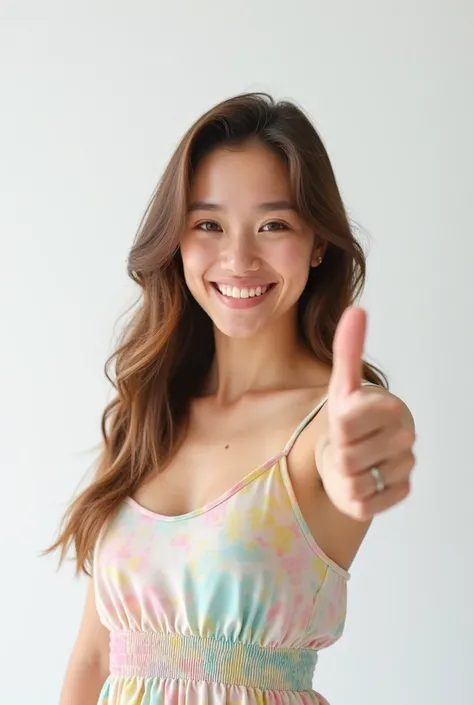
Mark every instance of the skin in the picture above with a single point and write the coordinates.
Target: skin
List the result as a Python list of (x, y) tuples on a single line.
[(88, 665), (263, 382), (233, 237)]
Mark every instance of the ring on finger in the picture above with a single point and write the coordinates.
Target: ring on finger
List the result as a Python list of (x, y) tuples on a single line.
[(380, 485)]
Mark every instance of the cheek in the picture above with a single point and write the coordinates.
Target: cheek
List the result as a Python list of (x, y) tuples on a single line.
[(196, 259), (292, 259)]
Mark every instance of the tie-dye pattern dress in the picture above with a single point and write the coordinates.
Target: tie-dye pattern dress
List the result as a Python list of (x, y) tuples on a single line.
[(227, 604)]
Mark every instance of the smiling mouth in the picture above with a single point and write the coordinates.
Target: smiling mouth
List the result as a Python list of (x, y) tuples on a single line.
[(233, 292)]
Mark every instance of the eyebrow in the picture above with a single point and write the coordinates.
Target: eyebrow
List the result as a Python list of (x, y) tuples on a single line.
[(266, 206)]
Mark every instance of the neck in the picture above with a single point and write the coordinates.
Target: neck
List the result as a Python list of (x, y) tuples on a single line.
[(268, 361)]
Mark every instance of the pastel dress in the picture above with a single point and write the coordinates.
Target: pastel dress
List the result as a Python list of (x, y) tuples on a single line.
[(230, 603)]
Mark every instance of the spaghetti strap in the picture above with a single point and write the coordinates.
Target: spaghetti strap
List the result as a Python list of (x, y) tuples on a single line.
[(311, 416)]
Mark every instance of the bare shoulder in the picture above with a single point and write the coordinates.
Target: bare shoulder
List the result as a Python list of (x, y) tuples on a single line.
[(338, 535)]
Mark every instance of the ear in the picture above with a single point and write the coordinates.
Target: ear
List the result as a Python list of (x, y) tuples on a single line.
[(318, 253)]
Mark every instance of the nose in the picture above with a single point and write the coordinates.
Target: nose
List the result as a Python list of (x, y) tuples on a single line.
[(240, 256)]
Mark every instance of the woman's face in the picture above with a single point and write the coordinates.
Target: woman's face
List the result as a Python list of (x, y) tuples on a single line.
[(246, 252)]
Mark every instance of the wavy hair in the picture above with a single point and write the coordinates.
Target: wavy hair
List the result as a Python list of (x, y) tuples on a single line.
[(166, 349)]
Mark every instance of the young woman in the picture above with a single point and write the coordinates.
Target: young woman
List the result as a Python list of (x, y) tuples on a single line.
[(218, 536)]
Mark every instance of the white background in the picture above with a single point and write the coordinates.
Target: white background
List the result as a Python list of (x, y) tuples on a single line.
[(94, 97)]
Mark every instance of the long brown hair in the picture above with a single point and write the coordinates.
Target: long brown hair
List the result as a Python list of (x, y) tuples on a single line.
[(166, 349)]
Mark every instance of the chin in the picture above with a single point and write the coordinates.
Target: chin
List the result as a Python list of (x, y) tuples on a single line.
[(242, 330)]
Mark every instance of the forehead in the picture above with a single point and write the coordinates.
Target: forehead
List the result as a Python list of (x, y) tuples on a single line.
[(246, 173)]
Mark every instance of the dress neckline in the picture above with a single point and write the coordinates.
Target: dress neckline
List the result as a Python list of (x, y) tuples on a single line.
[(237, 487)]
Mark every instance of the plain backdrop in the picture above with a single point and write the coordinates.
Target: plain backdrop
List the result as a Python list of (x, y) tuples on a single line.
[(95, 95)]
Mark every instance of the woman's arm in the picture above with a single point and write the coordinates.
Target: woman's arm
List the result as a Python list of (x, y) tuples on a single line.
[(88, 666)]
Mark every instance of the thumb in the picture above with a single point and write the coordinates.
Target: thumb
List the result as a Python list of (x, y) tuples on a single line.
[(348, 349)]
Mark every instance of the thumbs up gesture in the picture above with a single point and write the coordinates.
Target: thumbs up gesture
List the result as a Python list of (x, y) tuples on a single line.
[(367, 458)]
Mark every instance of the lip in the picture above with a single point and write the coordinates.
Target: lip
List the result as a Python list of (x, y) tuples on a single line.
[(244, 283), (250, 302)]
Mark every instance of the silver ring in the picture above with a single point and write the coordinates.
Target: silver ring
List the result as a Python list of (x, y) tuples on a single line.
[(379, 481)]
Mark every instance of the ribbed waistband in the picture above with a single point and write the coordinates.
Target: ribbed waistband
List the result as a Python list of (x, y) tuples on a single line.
[(179, 657)]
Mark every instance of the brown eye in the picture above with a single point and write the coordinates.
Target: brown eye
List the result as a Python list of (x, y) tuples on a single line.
[(209, 226), (274, 226)]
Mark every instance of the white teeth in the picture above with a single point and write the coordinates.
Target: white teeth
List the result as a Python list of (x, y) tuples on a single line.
[(235, 293)]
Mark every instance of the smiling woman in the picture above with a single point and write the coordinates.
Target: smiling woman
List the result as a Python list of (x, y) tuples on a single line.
[(230, 498), (255, 252)]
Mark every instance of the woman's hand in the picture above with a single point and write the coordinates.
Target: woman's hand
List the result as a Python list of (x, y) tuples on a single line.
[(367, 458)]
